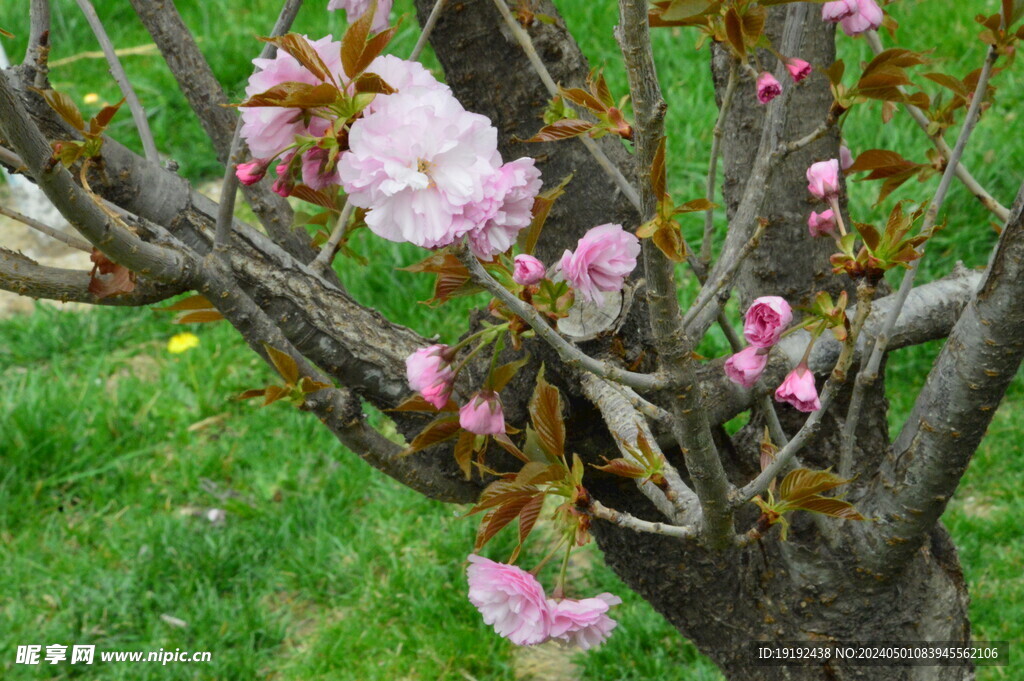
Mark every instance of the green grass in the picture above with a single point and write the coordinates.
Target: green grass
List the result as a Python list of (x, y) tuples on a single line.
[(325, 569)]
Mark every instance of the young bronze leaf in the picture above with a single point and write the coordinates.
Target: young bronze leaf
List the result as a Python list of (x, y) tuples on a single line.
[(308, 385), (199, 317), (108, 278), (541, 208), (196, 302), (374, 46), (249, 394), (658, 170), (99, 122), (505, 373), (300, 48), (294, 94), (734, 31), (501, 516), (464, 453), (546, 413), (436, 431), (284, 364), (873, 159), (804, 482), (64, 106), (417, 403), (949, 82), (623, 468), (505, 443), (837, 508), (669, 241), (371, 82), (583, 98), (560, 130), (598, 85), (353, 44), (273, 393), (528, 516)]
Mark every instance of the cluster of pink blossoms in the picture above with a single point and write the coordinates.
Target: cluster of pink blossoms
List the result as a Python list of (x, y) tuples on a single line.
[(765, 321), (430, 373), (823, 183), (514, 603), (769, 87), (854, 16), (426, 170)]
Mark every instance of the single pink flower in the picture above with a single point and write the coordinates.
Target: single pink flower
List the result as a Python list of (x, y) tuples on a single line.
[(768, 88), (507, 208), (823, 179), (583, 623), (268, 130), (483, 414), (429, 371), (821, 224), (766, 319), (798, 390), (527, 270), (510, 599), (354, 9), (746, 366), (251, 172), (798, 69), (845, 157), (314, 173), (838, 10), (603, 258), (868, 17), (418, 163)]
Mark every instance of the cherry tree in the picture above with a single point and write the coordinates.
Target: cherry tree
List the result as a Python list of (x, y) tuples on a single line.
[(523, 176)]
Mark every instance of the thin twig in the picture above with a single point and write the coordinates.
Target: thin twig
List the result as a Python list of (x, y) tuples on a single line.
[(707, 294), (428, 28), (524, 40), (74, 242), (716, 143), (38, 50), (117, 71), (229, 186), (326, 256), (598, 510), (869, 372), (569, 353), (987, 200)]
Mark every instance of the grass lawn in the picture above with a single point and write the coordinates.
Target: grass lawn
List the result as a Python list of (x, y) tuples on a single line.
[(113, 449)]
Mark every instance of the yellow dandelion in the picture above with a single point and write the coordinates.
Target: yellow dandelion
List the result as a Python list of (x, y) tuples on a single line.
[(91, 98), (181, 342)]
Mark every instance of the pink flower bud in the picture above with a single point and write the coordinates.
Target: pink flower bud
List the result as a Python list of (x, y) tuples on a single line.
[(527, 270), (799, 391), (510, 599), (746, 366), (768, 88), (823, 179), (583, 623), (429, 372), (603, 258), (283, 186), (838, 10), (251, 172), (482, 414), (845, 157), (798, 69), (766, 319), (868, 17), (822, 224)]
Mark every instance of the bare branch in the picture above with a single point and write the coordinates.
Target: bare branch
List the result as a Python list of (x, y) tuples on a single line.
[(117, 71), (326, 256), (940, 143), (428, 28), (598, 510), (38, 50), (709, 193), (70, 240)]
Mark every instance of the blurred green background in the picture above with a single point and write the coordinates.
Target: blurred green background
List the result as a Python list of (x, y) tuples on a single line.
[(112, 448)]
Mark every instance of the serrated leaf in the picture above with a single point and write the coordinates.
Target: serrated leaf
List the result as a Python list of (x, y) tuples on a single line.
[(300, 48), (293, 94), (583, 98), (437, 431), (599, 86), (64, 106), (371, 82), (284, 363), (505, 443), (804, 482), (623, 468), (307, 385), (464, 453), (416, 403), (658, 173), (869, 234), (836, 508), (374, 47), (314, 196), (500, 377), (494, 521), (694, 206), (560, 130), (99, 122), (353, 44), (949, 82), (273, 393), (734, 31), (528, 516), (546, 416)]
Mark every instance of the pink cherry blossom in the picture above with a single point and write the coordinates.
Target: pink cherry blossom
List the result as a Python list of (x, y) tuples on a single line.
[(404, 75), (417, 163), (845, 157), (838, 10), (583, 623), (313, 171), (868, 17), (483, 414), (798, 69), (510, 599), (822, 224), (746, 366), (603, 258), (768, 88), (251, 172), (766, 319), (506, 209), (269, 130), (823, 179), (357, 8), (799, 391), (429, 372), (527, 270)]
